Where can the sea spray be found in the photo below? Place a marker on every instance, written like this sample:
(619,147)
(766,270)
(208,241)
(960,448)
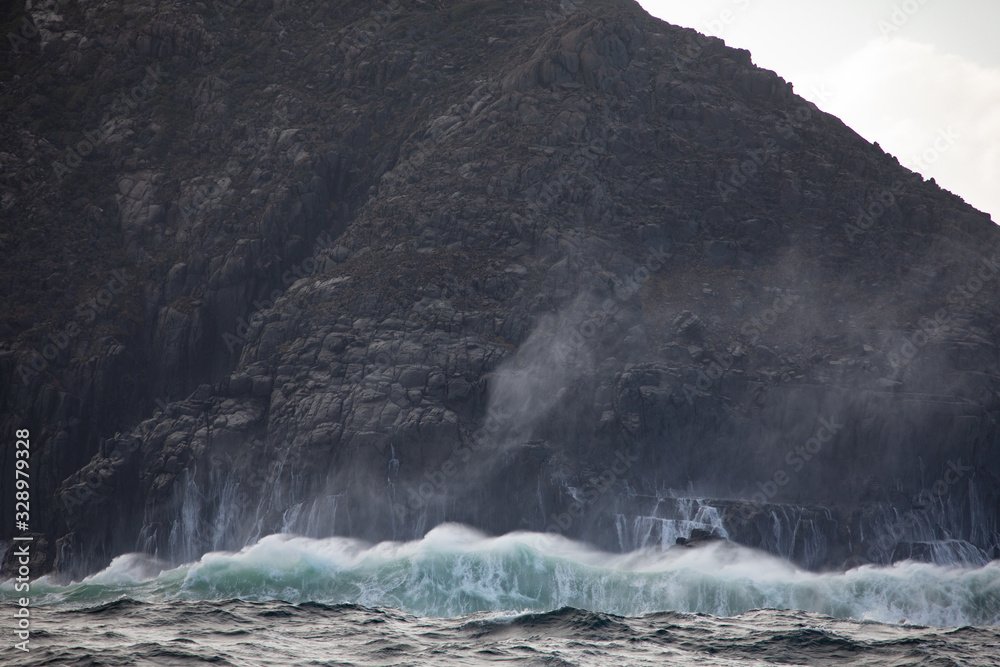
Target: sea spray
(455,570)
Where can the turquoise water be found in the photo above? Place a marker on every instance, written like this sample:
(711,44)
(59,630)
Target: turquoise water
(455,571)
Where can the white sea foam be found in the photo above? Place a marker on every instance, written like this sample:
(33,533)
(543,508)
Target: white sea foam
(456,570)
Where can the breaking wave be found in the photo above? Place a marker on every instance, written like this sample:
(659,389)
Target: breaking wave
(455,570)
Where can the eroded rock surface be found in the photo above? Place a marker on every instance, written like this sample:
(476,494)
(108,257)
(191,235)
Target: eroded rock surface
(542,266)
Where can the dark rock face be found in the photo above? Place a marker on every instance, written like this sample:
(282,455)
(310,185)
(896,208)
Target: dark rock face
(541,266)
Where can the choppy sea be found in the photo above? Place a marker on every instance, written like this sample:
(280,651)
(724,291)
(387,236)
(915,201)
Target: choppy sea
(457,597)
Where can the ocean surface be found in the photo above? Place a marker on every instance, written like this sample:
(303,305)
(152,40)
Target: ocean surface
(457,597)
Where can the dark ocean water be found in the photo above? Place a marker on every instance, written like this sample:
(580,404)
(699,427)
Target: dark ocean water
(275,633)
(457,597)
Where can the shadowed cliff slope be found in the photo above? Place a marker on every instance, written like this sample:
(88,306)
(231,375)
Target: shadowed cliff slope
(344,270)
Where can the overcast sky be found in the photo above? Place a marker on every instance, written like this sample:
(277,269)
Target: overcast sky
(904,73)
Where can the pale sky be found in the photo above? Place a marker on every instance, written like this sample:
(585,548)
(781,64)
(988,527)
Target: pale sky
(920,77)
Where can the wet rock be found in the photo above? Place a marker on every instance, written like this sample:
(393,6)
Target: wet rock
(331,272)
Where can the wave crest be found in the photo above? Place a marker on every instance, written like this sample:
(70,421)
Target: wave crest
(455,570)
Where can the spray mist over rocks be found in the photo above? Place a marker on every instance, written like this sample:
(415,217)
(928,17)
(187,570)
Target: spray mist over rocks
(455,570)
(593,490)
(796,460)
(592,278)
(525,390)
(936,328)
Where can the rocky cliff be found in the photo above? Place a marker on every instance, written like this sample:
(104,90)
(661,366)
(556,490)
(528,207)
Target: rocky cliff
(358,270)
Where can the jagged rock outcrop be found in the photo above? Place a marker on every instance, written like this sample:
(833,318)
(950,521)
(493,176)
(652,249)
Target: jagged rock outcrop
(521,265)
